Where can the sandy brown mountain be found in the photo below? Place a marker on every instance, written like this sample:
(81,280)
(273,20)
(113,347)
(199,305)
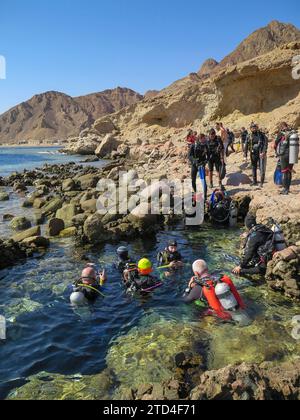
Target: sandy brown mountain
(55,116)
(259,89)
(260,42)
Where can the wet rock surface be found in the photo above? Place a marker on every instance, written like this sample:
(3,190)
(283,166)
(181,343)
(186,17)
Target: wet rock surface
(283,272)
(267,381)
(12,253)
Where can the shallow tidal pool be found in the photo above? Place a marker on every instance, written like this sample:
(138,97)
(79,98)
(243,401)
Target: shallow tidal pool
(55,352)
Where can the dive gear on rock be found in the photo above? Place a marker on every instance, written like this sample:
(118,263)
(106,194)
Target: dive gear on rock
(220,207)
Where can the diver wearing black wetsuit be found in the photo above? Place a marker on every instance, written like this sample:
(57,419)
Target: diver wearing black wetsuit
(282,144)
(198,156)
(257,144)
(253,262)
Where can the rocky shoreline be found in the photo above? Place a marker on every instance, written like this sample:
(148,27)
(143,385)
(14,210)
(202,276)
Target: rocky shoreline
(64,203)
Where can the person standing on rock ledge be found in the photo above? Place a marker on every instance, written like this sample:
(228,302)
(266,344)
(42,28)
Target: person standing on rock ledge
(244,135)
(215,156)
(282,147)
(223,133)
(257,144)
(198,156)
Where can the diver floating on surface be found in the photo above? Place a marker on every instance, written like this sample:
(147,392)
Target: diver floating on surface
(88,287)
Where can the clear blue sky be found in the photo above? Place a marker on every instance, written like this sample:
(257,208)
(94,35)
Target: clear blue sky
(79,47)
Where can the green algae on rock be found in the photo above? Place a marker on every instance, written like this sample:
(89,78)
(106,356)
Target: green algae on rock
(52,387)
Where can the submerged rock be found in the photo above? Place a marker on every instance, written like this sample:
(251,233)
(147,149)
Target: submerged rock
(262,341)
(48,387)
(147,353)
(4,196)
(18,307)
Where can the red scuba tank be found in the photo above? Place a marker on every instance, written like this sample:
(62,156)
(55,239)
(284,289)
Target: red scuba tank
(227,280)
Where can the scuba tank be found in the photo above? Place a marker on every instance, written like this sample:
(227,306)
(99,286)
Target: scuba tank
(78,299)
(294,148)
(233,214)
(279,239)
(225,296)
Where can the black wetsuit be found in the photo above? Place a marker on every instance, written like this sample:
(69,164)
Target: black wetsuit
(252,262)
(216,153)
(166,257)
(283,152)
(256,144)
(198,156)
(220,211)
(123,263)
(137,283)
(244,136)
(90,294)
(195,294)
(231,139)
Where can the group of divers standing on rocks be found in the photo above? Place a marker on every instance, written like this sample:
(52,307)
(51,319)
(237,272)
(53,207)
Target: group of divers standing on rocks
(217,294)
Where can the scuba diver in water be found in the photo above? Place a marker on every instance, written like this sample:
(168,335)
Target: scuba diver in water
(88,287)
(123,259)
(222,209)
(220,294)
(260,245)
(170,258)
(139,278)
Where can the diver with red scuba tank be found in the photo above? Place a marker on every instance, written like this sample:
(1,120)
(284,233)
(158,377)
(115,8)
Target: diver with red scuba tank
(220,295)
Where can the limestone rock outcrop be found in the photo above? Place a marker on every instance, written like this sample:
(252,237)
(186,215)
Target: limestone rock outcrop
(284,272)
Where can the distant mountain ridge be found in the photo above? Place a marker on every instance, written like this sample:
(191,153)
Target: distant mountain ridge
(54,116)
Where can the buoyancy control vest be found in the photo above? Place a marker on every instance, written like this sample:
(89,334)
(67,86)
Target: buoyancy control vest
(215,293)
(166,257)
(258,142)
(138,283)
(215,147)
(220,207)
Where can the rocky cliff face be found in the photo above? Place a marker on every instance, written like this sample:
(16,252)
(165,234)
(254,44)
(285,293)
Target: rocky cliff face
(55,116)
(261,89)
